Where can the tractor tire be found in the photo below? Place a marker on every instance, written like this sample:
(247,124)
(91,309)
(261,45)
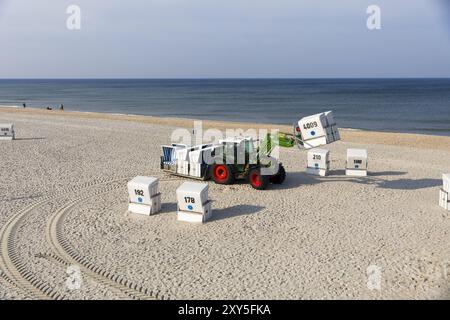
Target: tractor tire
(280,176)
(222,174)
(257,180)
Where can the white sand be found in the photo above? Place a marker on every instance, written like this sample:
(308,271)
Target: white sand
(312,237)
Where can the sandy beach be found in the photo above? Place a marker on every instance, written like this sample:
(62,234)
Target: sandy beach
(63,202)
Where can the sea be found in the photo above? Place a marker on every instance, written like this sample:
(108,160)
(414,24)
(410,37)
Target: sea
(393,105)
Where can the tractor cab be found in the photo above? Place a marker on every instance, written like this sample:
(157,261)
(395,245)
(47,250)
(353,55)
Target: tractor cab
(237,151)
(245,143)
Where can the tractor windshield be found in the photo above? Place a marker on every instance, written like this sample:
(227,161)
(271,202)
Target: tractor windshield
(249,147)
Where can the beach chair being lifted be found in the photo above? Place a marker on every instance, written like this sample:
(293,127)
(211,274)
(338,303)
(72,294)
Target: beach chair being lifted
(316,130)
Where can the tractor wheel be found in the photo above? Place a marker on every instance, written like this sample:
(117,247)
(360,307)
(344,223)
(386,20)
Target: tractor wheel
(222,174)
(257,180)
(280,176)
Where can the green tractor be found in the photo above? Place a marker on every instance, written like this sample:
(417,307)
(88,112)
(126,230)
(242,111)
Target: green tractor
(232,159)
(237,158)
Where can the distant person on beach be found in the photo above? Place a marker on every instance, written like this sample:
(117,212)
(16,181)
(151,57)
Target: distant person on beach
(62,107)
(24,105)
(49,108)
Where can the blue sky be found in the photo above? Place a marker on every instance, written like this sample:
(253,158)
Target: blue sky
(218,38)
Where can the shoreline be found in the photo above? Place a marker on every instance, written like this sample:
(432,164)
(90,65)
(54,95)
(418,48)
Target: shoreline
(414,140)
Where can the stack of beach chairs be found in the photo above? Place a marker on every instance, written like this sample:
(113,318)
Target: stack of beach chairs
(7,131)
(318,130)
(144,197)
(197,159)
(182,156)
(444,200)
(184,160)
(169,160)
